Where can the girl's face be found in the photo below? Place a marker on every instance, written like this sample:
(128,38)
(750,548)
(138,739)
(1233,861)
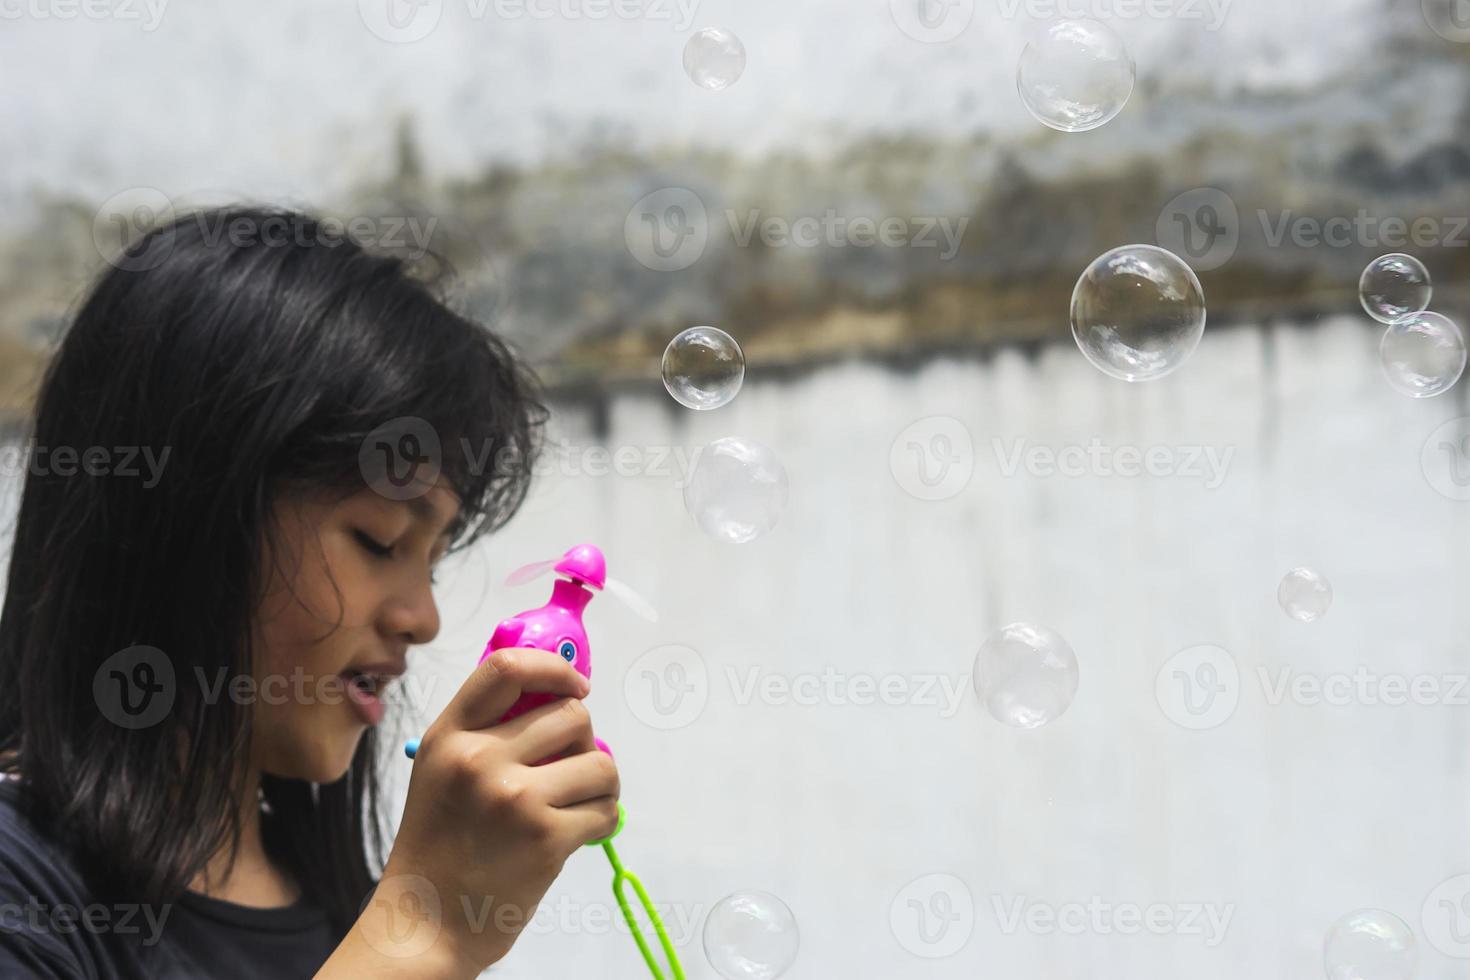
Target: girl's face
(367,562)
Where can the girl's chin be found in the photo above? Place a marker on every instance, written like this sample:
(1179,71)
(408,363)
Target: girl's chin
(324,761)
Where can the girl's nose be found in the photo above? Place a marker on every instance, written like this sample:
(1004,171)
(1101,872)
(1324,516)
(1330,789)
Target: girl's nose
(413,617)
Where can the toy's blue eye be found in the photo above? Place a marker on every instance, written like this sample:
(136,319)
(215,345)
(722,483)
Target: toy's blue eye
(568,650)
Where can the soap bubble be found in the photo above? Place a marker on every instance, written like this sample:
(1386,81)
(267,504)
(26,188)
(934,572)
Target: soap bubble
(1305,595)
(1370,944)
(1138,312)
(703,368)
(1423,354)
(1026,675)
(751,936)
(1394,286)
(714,58)
(738,490)
(1076,75)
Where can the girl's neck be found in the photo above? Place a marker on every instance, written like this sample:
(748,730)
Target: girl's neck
(251,879)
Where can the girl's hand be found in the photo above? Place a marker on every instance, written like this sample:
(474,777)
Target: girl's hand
(484,831)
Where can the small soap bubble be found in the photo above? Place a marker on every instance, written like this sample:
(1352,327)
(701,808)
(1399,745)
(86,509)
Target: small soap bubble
(1370,944)
(738,490)
(714,58)
(1423,354)
(1076,76)
(703,368)
(751,936)
(1026,675)
(1305,595)
(1138,312)
(1395,286)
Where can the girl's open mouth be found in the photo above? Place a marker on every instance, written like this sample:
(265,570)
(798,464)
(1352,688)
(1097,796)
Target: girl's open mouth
(364,693)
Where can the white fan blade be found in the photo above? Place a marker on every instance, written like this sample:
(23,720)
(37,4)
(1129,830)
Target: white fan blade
(632,599)
(534,570)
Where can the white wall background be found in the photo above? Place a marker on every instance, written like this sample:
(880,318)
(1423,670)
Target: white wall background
(1286,816)
(289,98)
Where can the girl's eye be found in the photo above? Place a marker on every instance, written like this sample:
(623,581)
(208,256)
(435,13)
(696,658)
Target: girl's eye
(372,546)
(568,650)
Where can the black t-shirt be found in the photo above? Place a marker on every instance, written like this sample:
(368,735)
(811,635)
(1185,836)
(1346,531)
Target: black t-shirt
(52,927)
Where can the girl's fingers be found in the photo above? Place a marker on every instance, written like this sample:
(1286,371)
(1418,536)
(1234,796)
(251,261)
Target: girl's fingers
(591,820)
(505,675)
(582,778)
(562,727)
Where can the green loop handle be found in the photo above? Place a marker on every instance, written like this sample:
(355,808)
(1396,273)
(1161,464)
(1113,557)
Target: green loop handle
(620,876)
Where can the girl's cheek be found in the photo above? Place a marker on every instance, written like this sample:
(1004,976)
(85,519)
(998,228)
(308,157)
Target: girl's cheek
(295,642)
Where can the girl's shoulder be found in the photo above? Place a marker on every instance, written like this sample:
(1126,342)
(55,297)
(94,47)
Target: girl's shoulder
(30,859)
(51,925)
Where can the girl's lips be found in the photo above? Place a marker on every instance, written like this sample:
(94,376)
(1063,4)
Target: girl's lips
(369,706)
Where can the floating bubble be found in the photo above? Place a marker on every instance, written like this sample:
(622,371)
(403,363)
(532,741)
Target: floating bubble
(1026,675)
(1076,76)
(1394,286)
(703,368)
(1138,312)
(738,490)
(1370,944)
(714,58)
(1423,354)
(751,936)
(1305,595)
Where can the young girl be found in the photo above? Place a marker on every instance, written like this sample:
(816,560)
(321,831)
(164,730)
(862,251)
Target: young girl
(212,587)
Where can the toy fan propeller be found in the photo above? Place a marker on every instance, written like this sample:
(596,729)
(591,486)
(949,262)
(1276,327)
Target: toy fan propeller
(572,565)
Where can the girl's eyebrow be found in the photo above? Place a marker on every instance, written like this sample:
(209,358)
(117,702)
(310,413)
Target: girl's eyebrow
(428,513)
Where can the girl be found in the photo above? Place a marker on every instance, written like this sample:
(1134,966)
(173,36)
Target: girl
(194,654)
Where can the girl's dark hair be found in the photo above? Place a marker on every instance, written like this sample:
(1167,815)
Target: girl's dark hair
(260,348)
